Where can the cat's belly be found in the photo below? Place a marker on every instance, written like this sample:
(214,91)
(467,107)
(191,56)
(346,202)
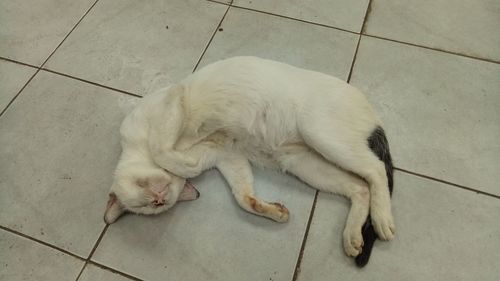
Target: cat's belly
(264,154)
(262,159)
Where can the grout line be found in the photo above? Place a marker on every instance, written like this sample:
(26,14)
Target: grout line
(81,271)
(92,83)
(296,272)
(368,9)
(69,33)
(18,62)
(448,183)
(73,77)
(432,48)
(367,14)
(294,19)
(87,260)
(353,60)
(41,242)
(98,241)
(221,2)
(114,271)
(18,93)
(211,38)
(96,244)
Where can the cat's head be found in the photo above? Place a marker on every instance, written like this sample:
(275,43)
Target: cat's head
(146,190)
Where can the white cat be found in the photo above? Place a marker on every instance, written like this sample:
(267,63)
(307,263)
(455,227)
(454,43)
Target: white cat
(247,109)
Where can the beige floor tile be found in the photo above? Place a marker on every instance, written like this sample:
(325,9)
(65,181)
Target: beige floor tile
(31,30)
(443,233)
(59,147)
(303,45)
(337,13)
(466,27)
(441,111)
(23,259)
(136,45)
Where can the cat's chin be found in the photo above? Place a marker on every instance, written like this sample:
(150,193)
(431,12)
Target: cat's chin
(149,210)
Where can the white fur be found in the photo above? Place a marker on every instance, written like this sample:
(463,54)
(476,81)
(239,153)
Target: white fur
(271,114)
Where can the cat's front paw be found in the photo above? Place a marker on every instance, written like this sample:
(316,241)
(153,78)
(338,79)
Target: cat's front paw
(278,212)
(383,223)
(353,242)
(190,162)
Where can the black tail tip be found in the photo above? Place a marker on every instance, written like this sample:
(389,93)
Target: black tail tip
(361,260)
(369,238)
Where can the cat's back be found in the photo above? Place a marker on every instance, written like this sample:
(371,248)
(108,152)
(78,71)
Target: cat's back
(247,96)
(255,70)
(266,97)
(251,82)
(263,78)
(239,89)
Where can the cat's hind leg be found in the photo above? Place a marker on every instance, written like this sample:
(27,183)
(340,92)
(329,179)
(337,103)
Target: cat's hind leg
(345,143)
(238,173)
(323,175)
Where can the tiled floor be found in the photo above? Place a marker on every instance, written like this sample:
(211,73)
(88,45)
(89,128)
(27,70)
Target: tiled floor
(70,72)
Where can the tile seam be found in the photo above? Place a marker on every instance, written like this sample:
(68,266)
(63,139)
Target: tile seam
(447,182)
(92,83)
(33,239)
(96,244)
(69,33)
(298,264)
(13,99)
(110,269)
(211,38)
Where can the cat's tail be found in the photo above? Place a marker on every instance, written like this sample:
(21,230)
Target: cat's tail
(380,146)
(369,238)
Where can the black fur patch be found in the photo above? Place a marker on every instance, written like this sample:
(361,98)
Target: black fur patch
(380,147)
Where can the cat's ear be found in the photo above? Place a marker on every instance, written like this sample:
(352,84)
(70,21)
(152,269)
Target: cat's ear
(114,209)
(188,193)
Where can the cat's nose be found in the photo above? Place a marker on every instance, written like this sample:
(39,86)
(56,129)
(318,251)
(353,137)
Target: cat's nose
(159,202)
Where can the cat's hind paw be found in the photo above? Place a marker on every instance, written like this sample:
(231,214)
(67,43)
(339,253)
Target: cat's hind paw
(353,242)
(383,224)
